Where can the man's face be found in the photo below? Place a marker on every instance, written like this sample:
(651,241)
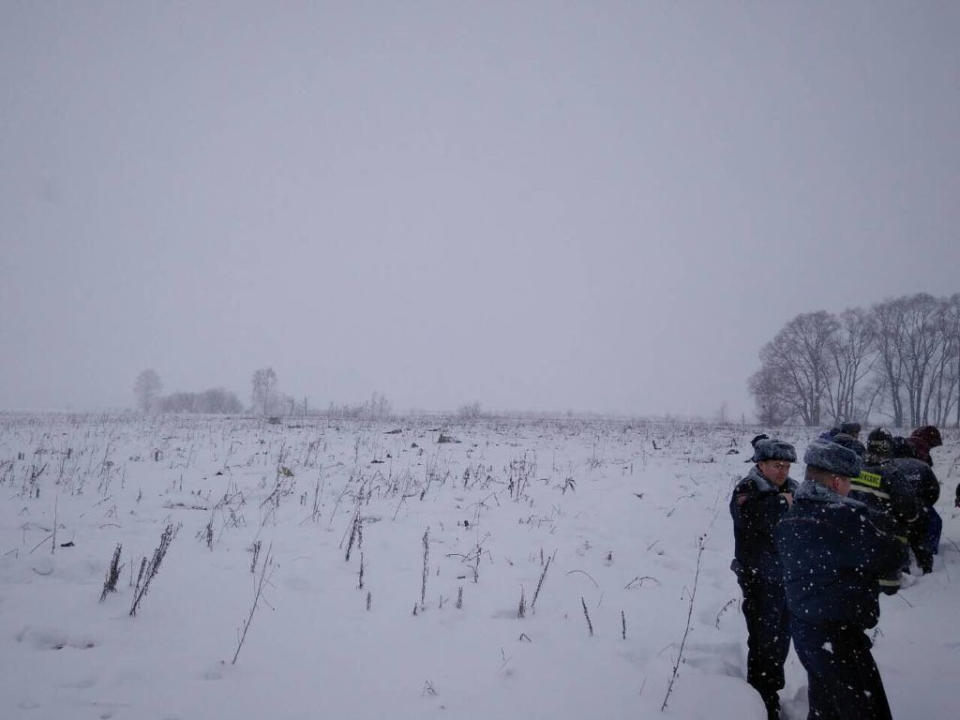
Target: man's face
(776,471)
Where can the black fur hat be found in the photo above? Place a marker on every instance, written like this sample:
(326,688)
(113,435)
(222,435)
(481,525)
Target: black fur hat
(851,443)
(850,428)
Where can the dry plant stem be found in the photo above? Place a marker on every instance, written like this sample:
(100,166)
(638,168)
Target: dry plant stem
(354,530)
(536,593)
(725,607)
(317,493)
(686,629)
(255,548)
(53,544)
(586,615)
(336,505)
(261,581)
(41,542)
(426,558)
(638,581)
(143,567)
(149,571)
(113,574)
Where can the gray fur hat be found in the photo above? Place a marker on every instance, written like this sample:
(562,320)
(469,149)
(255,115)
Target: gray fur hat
(767,449)
(833,458)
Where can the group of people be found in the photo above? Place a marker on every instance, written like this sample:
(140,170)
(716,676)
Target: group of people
(812,558)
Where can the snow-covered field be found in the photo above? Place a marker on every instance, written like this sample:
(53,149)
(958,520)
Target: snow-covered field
(608,532)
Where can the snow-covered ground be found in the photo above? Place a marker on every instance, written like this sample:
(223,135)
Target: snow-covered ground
(610,533)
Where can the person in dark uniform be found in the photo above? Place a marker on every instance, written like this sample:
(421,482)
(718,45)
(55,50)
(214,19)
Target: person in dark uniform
(848,428)
(833,553)
(924,534)
(924,439)
(758,502)
(883,487)
(851,443)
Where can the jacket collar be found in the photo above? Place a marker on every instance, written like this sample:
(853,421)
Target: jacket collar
(764,485)
(810,490)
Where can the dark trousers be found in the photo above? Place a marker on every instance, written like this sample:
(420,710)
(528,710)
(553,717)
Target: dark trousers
(924,536)
(934,529)
(843,680)
(918,535)
(768,635)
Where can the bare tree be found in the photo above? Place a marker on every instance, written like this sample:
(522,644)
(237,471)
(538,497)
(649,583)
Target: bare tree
(798,360)
(902,356)
(767,388)
(922,345)
(379,406)
(146,389)
(264,390)
(942,389)
(470,411)
(852,354)
(891,330)
(952,323)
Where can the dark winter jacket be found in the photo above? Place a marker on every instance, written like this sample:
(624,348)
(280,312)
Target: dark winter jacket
(833,554)
(920,450)
(886,489)
(921,477)
(756,507)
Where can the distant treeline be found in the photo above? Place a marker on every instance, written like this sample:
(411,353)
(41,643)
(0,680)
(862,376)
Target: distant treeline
(266,400)
(899,360)
(216,400)
(147,387)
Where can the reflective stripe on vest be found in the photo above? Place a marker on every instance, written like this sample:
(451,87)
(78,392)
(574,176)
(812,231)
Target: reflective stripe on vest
(868,478)
(877,493)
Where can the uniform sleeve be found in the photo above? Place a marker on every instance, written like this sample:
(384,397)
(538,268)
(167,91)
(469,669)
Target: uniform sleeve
(756,512)
(871,551)
(928,487)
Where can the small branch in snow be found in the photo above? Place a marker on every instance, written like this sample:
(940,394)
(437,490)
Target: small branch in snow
(686,629)
(266,571)
(638,582)
(583,572)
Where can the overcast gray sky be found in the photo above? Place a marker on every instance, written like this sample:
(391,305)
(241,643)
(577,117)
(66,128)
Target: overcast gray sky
(604,206)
